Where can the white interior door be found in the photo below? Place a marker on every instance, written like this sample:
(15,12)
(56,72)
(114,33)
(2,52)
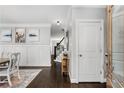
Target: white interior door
(89,34)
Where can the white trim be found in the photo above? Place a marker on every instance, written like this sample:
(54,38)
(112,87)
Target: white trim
(102,46)
(103,52)
(77,72)
(72,80)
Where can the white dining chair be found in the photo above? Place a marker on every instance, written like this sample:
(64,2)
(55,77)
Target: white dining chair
(13,67)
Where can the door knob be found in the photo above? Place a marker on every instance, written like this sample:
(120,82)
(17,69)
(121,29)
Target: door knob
(80,55)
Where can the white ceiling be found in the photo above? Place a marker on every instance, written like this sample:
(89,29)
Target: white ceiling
(89,6)
(33,13)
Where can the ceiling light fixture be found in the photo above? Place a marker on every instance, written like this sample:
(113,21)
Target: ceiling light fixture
(58,23)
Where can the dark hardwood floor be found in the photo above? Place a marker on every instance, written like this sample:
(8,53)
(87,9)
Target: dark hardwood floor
(52,78)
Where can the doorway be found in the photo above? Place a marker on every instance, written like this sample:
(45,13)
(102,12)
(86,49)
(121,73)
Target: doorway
(90,51)
(57,42)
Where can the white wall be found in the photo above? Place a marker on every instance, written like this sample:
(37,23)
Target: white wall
(69,29)
(82,13)
(33,53)
(70,50)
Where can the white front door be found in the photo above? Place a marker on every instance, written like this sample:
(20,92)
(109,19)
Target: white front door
(89,44)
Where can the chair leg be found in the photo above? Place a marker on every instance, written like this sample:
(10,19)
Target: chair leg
(18,74)
(9,80)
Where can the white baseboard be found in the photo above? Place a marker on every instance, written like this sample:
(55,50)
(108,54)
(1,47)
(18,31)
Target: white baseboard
(72,79)
(104,81)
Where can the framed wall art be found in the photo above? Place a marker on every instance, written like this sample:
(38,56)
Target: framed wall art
(5,35)
(33,35)
(20,35)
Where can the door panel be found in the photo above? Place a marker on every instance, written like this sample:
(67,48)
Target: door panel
(89,51)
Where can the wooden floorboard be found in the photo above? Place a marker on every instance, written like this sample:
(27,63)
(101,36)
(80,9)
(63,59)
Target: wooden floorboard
(52,78)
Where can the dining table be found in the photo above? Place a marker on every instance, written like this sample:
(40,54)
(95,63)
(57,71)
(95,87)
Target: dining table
(4,60)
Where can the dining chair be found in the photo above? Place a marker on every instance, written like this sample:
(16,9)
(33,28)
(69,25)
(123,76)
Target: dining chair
(13,67)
